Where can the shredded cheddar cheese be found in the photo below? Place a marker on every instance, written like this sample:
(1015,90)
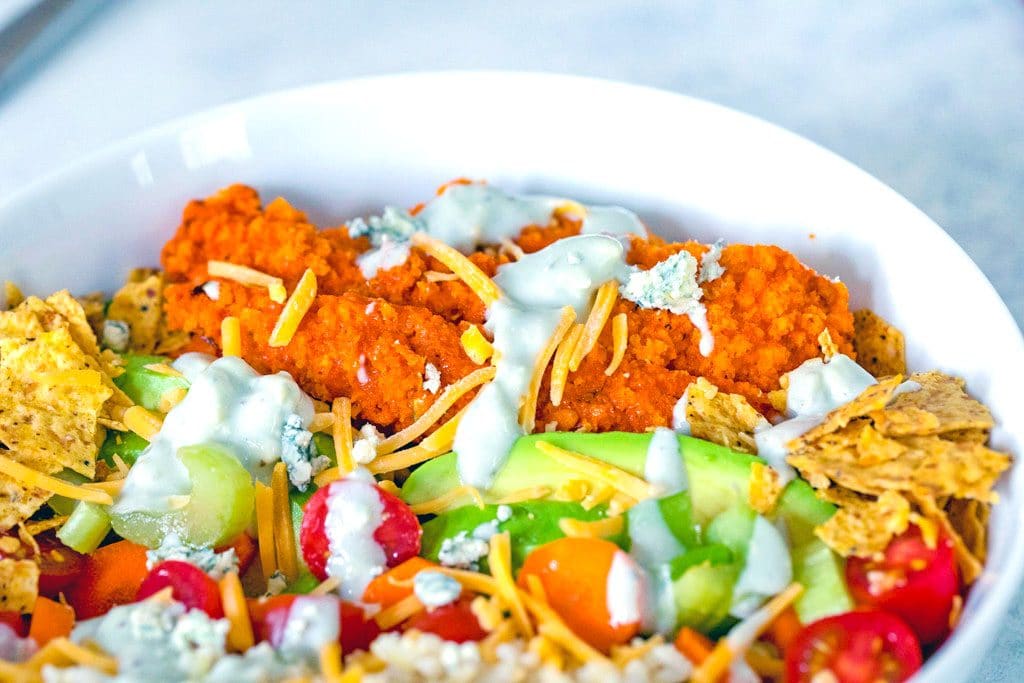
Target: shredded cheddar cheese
(231,336)
(326,586)
(521,495)
(600,471)
(330,661)
(294,310)
(476,346)
(341,409)
(61,652)
(448,500)
(437,276)
(499,558)
(163,369)
(438,443)
(560,366)
(602,528)
(171,398)
(321,422)
(284,532)
(528,411)
(29,478)
(451,394)
(143,422)
(397,613)
(265,529)
(240,635)
(620,338)
(456,262)
(599,314)
(248,276)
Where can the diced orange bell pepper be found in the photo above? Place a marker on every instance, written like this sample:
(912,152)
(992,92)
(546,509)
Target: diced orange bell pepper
(395,584)
(50,619)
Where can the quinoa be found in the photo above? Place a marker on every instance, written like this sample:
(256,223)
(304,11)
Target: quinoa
(765,310)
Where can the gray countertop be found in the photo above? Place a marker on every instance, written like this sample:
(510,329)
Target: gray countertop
(928,95)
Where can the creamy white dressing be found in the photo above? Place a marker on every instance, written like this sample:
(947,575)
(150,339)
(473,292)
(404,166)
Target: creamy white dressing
(313,621)
(663,466)
(710,268)
(229,404)
(389,254)
(816,388)
(767,572)
(354,511)
(535,288)
(652,542)
(625,591)
(680,423)
(659,614)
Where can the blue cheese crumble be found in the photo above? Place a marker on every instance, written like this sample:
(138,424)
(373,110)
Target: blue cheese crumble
(671,285)
(431,378)
(117,334)
(710,268)
(436,589)
(393,225)
(213,563)
(463,551)
(299,454)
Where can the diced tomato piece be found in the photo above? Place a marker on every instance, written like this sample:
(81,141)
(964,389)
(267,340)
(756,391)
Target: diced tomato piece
(245,550)
(856,647)
(270,618)
(15,621)
(357,629)
(189,585)
(455,622)
(59,565)
(111,577)
(912,581)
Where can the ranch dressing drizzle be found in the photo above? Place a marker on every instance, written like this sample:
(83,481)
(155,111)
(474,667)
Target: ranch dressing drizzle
(767,571)
(228,403)
(816,388)
(625,591)
(354,511)
(663,465)
(535,288)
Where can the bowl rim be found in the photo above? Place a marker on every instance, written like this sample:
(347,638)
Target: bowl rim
(966,643)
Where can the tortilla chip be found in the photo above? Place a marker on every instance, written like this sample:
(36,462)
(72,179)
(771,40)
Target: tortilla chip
(93,305)
(970,566)
(940,405)
(765,488)
(874,449)
(12,295)
(928,464)
(139,304)
(777,399)
(863,527)
(726,419)
(880,347)
(873,398)
(828,347)
(970,519)
(19,585)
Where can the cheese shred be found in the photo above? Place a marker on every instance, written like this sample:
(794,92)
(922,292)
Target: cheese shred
(451,394)
(265,529)
(456,262)
(620,339)
(599,314)
(600,471)
(143,422)
(394,615)
(601,528)
(528,411)
(284,532)
(500,561)
(560,366)
(294,310)
(29,478)
(341,409)
(231,336)
(248,276)
(448,500)
(438,443)
(240,634)
(476,346)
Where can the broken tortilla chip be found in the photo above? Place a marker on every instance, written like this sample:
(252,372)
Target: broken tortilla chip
(862,526)
(940,405)
(880,347)
(139,304)
(970,520)
(725,419)
(12,295)
(19,585)
(970,566)
(765,488)
(875,397)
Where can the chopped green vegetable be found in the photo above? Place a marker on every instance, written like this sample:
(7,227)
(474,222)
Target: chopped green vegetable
(127,445)
(143,386)
(86,528)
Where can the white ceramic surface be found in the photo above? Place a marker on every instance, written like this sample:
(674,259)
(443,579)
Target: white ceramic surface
(690,168)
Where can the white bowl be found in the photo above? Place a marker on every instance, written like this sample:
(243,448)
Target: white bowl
(690,168)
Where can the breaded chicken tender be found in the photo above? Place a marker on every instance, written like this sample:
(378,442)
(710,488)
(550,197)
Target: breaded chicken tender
(372,339)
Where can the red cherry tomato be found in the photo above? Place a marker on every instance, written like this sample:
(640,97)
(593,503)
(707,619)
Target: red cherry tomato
(270,617)
(455,622)
(912,581)
(15,621)
(855,647)
(59,565)
(189,586)
(398,533)
(357,630)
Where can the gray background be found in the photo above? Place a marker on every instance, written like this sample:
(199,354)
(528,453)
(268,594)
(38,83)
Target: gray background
(927,95)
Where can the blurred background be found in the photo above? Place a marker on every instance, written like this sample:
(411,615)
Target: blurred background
(927,95)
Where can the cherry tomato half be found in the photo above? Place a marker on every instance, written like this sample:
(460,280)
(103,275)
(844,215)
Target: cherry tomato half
(59,565)
(189,585)
(912,581)
(455,622)
(398,533)
(16,622)
(856,647)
